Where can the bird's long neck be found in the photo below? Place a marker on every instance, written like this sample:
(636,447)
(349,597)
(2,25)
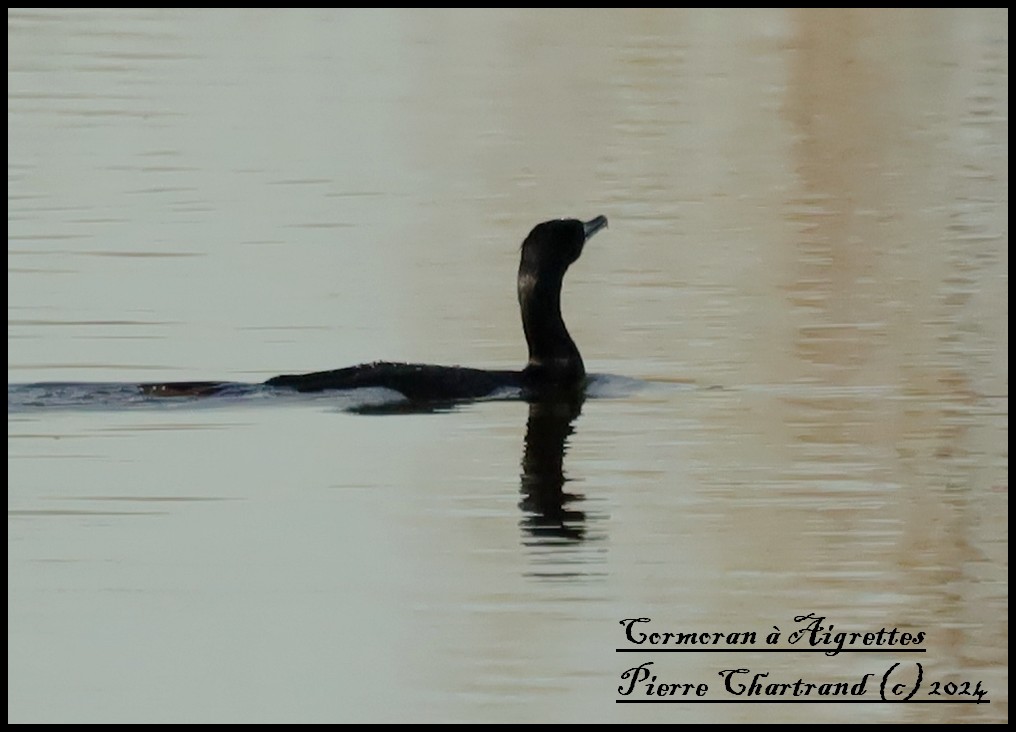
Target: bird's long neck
(553,355)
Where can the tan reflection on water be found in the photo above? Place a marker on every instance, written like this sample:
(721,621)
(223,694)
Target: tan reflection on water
(901,277)
(809,234)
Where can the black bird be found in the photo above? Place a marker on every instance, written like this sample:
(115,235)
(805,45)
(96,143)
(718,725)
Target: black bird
(555,366)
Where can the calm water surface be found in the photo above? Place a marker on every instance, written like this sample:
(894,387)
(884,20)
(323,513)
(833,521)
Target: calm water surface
(801,306)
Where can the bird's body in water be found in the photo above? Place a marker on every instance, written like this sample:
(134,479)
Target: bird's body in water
(555,366)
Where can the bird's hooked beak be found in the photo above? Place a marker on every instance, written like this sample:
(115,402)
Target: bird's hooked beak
(594,225)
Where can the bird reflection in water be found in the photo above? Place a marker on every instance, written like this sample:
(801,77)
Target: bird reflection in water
(549,512)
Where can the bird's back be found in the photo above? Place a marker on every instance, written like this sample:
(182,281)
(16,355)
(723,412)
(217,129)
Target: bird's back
(417,382)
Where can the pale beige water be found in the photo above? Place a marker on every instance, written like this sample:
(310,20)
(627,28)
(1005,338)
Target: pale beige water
(808,210)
